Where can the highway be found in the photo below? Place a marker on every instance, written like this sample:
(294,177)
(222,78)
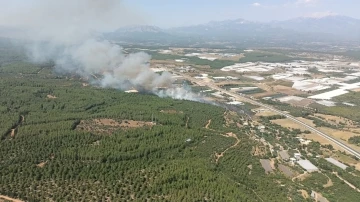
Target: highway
(254,102)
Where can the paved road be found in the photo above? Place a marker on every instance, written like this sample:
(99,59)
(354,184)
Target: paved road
(246,99)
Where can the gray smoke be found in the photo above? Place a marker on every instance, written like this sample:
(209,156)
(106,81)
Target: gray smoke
(68,33)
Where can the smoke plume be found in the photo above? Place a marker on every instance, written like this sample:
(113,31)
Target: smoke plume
(68,33)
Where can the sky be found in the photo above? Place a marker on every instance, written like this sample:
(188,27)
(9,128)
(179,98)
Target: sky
(173,13)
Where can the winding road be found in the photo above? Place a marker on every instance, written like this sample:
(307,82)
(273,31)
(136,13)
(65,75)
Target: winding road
(294,119)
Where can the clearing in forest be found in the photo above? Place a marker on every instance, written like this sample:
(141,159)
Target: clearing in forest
(42,164)
(12,133)
(171,111)
(51,96)
(108,126)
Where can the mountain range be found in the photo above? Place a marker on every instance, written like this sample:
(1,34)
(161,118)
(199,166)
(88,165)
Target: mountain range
(306,29)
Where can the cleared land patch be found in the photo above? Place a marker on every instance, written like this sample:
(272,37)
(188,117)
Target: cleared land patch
(6,198)
(286,90)
(108,126)
(286,170)
(171,111)
(51,96)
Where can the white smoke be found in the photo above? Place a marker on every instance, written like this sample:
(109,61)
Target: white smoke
(67,32)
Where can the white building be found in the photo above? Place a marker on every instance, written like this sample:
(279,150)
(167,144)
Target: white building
(336,163)
(307,165)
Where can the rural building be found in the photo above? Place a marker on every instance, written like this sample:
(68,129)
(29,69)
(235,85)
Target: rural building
(336,163)
(284,155)
(297,156)
(307,165)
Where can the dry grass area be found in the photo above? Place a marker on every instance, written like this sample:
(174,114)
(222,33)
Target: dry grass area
(339,134)
(6,198)
(265,113)
(51,96)
(347,159)
(356,90)
(336,119)
(107,126)
(171,111)
(307,121)
(287,123)
(321,140)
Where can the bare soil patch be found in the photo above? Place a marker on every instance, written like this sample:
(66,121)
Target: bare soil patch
(12,134)
(107,126)
(301,177)
(286,90)
(304,193)
(51,96)
(266,113)
(208,124)
(6,198)
(42,164)
(328,184)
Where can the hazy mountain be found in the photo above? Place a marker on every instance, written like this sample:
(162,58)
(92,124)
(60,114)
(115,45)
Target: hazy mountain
(139,33)
(340,26)
(304,29)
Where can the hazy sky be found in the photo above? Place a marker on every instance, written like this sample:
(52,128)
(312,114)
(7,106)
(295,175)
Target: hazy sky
(171,13)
